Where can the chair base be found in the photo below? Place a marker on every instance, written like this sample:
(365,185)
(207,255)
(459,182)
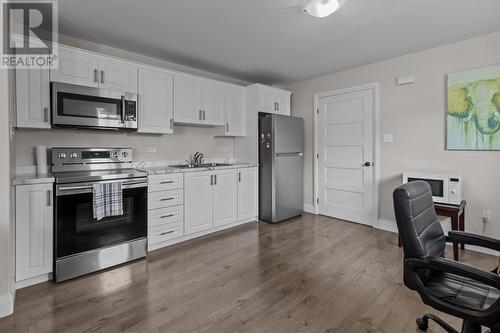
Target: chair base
(423,324)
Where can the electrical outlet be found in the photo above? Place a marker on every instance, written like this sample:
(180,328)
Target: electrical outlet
(151,149)
(486,215)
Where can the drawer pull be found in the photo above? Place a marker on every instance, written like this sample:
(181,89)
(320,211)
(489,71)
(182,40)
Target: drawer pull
(165,216)
(167,182)
(166,199)
(166,232)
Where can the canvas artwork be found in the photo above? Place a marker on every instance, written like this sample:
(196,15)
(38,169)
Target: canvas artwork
(473,110)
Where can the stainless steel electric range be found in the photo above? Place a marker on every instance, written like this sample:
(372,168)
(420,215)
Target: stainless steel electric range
(83,244)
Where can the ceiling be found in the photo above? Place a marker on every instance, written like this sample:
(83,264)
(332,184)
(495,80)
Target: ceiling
(273,41)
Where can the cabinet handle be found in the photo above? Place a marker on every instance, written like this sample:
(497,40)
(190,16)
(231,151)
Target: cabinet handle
(199,114)
(239,177)
(171,123)
(227,127)
(211,180)
(167,182)
(102,76)
(215,179)
(165,216)
(166,199)
(166,232)
(46,114)
(277,106)
(49,198)
(204,113)
(95,75)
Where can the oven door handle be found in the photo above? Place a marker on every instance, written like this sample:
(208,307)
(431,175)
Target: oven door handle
(123,109)
(66,190)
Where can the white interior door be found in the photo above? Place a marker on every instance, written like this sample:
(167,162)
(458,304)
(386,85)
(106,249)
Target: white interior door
(345,164)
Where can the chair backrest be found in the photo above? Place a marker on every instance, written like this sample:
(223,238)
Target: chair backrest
(420,232)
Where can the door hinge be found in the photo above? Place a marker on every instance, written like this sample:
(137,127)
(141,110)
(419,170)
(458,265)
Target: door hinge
(317,200)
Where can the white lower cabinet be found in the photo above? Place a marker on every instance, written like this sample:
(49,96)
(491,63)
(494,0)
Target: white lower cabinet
(165,209)
(248,195)
(225,204)
(198,202)
(34,231)
(205,202)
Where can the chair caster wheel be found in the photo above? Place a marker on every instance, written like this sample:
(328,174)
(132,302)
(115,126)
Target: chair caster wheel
(422,324)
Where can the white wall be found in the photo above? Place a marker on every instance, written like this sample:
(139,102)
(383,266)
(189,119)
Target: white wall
(6,192)
(416,115)
(185,140)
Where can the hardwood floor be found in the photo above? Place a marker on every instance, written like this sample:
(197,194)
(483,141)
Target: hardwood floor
(308,274)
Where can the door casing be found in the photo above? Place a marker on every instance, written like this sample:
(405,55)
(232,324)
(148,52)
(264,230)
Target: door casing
(376,142)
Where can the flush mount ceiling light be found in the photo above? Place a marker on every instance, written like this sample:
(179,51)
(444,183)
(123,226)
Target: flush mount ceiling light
(321,8)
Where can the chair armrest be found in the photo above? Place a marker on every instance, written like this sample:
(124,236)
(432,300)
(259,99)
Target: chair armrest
(457,268)
(473,239)
(484,317)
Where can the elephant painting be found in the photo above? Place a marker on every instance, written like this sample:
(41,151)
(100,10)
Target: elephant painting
(474,109)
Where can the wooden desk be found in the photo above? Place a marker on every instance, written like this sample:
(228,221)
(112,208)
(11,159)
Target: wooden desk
(457,215)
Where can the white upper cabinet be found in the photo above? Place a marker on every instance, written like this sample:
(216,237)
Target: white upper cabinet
(34,230)
(156,101)
(273,100)
(198,101)
(187,100)
(212,103)
(76,67)
(91,70)
(32,98)
(247,193)
(234,112)
(117,75)
(225,197)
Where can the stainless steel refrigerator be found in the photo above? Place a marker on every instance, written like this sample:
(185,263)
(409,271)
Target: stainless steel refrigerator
(281,164)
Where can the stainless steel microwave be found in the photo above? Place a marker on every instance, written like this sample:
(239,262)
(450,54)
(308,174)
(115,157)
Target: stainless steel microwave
(85,107)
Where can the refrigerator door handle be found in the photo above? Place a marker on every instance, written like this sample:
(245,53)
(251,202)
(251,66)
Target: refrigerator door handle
(289,154)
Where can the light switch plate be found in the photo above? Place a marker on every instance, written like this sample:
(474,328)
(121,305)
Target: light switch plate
(388,137)
(151,149)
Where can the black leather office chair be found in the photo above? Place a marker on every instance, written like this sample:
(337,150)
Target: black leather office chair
(448,286)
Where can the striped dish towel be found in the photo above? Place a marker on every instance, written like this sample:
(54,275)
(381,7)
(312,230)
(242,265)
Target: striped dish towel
(108,200)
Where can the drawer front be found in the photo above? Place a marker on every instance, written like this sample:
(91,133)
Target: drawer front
(165,215)
(165,232)
(165,199)
(165,182)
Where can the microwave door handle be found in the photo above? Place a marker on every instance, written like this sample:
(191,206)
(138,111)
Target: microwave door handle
(123,109)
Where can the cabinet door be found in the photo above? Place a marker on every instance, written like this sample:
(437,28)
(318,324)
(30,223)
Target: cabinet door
(117,75)
(76,67)
(34,230)
(156,101)
(225,201)
(247,193)
(212,98)
(283,103)
(267,100)
(198,202)
(234,105)
(187,100)
(32,98)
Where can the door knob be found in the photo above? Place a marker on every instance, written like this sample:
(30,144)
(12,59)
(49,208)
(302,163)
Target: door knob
(367,164)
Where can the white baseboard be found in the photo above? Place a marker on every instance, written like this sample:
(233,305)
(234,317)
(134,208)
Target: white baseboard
(387,225)
(34,280)
(6,304)
(308,208)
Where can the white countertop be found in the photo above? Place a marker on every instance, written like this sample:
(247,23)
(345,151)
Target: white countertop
(163,170)
(32,178)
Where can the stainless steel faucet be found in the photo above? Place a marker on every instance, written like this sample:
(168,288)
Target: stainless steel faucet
(197,159)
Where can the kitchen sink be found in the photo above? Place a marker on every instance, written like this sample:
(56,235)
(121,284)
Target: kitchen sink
(204,165)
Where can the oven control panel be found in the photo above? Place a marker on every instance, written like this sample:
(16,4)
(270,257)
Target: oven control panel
(91,155)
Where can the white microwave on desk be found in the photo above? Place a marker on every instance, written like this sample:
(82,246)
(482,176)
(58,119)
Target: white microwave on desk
(445,188)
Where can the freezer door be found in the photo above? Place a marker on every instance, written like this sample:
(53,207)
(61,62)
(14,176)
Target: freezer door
(288,185)
(288,134)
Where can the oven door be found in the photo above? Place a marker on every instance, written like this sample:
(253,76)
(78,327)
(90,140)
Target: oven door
(76,231)
(90,107)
